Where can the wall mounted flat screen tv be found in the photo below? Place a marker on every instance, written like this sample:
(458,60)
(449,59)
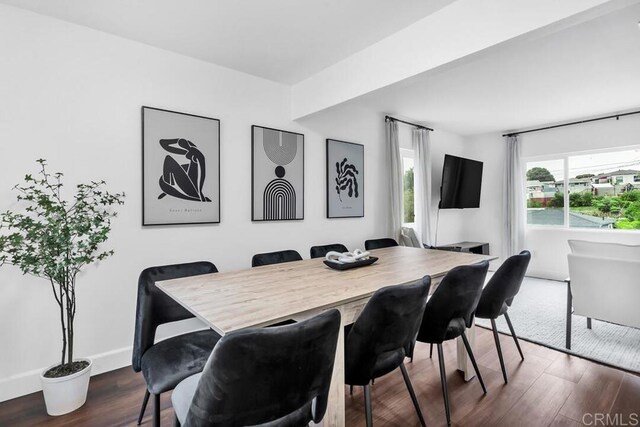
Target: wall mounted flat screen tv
(461,183)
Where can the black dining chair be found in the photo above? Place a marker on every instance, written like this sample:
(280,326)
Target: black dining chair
(275,258)
(270,377)
(166,363)
(321,251)
(379,243)
(376,344)
(449,312)
(498,296)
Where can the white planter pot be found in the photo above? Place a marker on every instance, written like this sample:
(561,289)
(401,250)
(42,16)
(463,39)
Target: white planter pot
(65,394)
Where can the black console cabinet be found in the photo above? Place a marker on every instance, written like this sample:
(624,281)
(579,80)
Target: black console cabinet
(470,247)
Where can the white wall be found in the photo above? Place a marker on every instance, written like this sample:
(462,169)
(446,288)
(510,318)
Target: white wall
(485,223)
(73,96)
(548,246)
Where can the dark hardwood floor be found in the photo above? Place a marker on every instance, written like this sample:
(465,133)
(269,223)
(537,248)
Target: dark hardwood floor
(549,388)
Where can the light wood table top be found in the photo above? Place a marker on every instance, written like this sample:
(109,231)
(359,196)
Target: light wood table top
(265,295)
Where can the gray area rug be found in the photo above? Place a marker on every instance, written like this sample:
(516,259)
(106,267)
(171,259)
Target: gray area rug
(538,314)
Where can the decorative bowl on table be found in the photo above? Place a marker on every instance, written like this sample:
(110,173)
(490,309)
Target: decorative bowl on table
(348,260)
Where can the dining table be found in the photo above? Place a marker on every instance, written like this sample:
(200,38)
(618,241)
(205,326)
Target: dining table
(266,295)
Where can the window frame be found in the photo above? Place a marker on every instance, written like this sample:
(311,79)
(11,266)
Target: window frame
(564,156)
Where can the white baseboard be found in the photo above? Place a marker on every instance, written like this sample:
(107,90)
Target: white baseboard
(29,382)
(549,275)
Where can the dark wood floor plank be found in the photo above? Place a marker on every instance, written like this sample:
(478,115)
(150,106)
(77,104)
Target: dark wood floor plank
(540,404)
(568,367)
(518,371)
(486,410)
(596,392)
(529,348)
(561,421)
(627,402)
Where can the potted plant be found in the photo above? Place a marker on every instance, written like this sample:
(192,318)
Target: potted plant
(55,239)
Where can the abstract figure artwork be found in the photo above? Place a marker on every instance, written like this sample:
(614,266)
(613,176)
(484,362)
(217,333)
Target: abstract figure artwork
(277,175)
(181,168)
(345,179)
(184,181)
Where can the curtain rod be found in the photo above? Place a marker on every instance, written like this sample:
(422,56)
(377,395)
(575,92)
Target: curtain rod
(617,116)
(387,118)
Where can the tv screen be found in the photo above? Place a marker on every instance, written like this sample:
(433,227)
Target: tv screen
(461,182)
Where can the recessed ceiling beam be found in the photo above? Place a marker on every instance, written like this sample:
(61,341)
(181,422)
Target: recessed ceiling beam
(463,28)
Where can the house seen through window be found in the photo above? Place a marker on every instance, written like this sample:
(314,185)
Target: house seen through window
(601,190)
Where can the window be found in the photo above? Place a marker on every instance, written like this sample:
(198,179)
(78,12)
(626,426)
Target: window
(407,185)
(545,197)
(601,190)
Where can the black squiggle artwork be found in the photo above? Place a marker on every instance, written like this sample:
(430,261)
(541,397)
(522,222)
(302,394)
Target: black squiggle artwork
(183,181)
(346,179)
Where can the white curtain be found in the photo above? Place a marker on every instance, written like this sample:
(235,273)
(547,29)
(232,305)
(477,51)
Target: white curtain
(422,188)
(395,179)
(513,200)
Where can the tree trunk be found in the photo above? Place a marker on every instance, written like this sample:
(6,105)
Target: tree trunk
(62,325)
(69,307)
(69,337)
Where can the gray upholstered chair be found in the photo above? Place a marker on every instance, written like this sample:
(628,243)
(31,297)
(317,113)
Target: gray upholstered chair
(276,376)
(321,251)
(166,363)
(409,238)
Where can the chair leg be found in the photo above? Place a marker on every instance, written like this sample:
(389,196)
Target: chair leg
(431,351)
(497,340)
(588,322)
(569,307)
(144,406)
(367,405)
(156,410)
(513,334)
(473,361)
(443,381)
(407,381)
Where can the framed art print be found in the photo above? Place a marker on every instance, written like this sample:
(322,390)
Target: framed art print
(345,179)
(277,174)
(180,168)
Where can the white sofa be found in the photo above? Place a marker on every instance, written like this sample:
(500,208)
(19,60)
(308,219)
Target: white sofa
(604,283)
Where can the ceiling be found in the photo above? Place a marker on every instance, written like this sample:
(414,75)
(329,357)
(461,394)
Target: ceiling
(581,71)
(559,73)
(281,40)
